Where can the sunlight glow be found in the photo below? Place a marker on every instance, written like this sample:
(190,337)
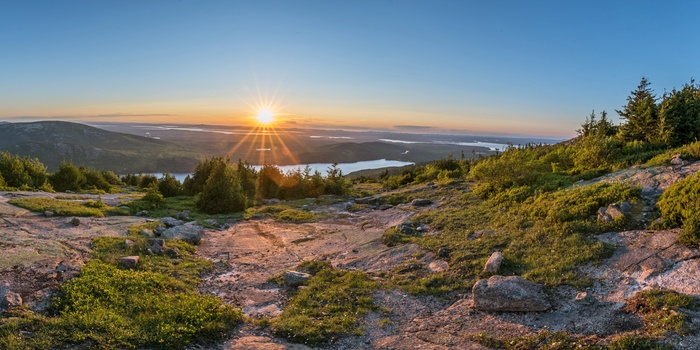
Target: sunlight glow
(265,116)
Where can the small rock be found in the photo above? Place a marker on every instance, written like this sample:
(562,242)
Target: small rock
(444,252)
(585,298)
(437,266)
(158,231)
(512,293)
(190,233)
(614,211)
(129,243)
(172,252)
(494,263)
(129,262)
(295,278)
(405,227)
(171,222)
(75,221)
(147,233)
(9,298)
(418,202)
(48,213)
(157,241)
(142,213)
(482,233)
(385,207)
(676,160)
(182,216)
(211,222)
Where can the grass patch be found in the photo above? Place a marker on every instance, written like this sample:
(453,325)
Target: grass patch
(94,208)
(660,310)
(563,340)
(186,268)
(543,238)
(170,206)
(286,212)
(153,306)
(328,307)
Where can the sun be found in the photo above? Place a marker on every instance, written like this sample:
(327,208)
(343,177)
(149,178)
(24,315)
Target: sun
(265,116)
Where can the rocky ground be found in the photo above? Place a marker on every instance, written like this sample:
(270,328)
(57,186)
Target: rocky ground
(37,253)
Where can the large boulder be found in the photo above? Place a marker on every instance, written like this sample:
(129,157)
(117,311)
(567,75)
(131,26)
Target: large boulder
(512,293)
(190,233)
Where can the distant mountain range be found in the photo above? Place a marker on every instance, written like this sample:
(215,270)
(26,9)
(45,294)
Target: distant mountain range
(153,148)
(55,141)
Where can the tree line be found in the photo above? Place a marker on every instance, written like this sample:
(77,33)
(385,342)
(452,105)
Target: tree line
(219,185)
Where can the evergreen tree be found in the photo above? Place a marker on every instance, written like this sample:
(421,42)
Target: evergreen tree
(247,175)
(642,115)
(680,115)
(268,182)
(169,186)
(222,192)
(202,172)
(68,178)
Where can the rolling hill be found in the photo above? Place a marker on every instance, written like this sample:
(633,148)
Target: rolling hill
(54,142)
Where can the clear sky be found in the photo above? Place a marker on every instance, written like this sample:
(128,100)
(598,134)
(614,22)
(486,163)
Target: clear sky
(509,67)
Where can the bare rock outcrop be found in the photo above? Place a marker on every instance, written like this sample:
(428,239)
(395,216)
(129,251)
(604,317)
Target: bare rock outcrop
(512,293)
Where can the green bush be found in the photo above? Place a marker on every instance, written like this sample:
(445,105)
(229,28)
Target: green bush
(169,186)
(680,206)
(68,178)
(19,172)
(659,310)
(578,203)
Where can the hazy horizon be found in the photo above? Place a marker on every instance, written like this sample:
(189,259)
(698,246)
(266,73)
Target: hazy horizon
(483,68)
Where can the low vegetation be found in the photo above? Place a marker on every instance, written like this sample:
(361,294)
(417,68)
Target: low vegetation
(661,310)
(680,206)
(328,307)
(105,307)
(564,340)
(62,207)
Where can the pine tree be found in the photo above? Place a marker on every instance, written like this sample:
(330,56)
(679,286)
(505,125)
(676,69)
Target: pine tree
(642,115)
(680,115)
(222,192)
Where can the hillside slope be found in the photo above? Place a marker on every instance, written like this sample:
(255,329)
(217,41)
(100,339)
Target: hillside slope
(55,141)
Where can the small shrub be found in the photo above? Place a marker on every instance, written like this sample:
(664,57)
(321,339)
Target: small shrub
(298,216)
(680,206)
(660,310)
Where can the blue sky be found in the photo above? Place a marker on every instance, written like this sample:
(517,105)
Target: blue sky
(503,67)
